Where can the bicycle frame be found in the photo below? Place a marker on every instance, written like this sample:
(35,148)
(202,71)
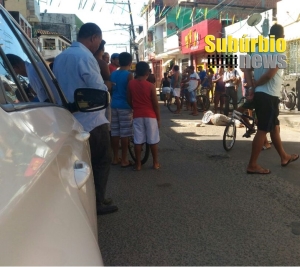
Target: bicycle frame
(284,93)
(236,115)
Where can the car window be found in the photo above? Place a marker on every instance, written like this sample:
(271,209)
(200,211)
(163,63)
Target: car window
(22,64)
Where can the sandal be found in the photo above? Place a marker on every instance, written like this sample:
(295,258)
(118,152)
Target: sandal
(290,160)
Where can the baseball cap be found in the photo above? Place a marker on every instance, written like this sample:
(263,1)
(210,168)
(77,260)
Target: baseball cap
(114,55)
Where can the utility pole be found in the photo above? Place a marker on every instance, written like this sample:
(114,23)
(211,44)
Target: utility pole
(131,28)
(136,49)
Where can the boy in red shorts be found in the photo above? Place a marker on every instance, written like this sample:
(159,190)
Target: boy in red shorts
(141,96)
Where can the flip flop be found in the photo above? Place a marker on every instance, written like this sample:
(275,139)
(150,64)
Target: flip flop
(135,169)
(290,160)
(258,172)
(265,148)
(130,164)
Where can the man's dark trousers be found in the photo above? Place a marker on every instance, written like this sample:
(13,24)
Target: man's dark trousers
(231,93)
(101,157)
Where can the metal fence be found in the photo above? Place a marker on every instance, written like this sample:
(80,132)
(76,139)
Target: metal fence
(293,58)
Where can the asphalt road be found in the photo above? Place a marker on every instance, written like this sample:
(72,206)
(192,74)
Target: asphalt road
(201,208)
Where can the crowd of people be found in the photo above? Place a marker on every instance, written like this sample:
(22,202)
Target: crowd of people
(134,109)
(262,90)
(189,83)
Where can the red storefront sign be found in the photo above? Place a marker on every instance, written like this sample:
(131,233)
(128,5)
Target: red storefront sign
(192,39)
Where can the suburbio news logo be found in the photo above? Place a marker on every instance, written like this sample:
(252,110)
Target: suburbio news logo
(246,45)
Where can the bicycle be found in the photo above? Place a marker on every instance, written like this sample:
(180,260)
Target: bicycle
(239,103)
(296,93)
(171,104)
(229,135)
(145,151)
(287,99)
(203,103)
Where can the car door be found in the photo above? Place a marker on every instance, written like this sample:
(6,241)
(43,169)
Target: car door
(47,196)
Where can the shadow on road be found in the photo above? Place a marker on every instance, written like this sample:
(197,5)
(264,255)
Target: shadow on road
(201,208)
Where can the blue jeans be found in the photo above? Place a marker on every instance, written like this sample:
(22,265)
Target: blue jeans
(193,97)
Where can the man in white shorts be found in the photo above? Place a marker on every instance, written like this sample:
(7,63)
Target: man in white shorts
(175,85)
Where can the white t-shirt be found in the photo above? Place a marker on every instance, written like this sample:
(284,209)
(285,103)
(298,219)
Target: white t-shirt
(228,75)
(273,86)
(193,83)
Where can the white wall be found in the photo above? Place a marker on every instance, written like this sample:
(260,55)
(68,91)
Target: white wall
(159,39)
(288,12)
(172,42)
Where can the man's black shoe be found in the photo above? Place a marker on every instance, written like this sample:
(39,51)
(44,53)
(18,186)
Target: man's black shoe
(102,210)
(249,132)
(107,201)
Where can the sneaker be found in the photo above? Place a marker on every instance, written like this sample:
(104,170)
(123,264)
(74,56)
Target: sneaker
(249,132)
(107,201)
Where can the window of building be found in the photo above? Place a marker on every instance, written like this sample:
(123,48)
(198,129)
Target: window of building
(293,57)
(59,45)
(49,44)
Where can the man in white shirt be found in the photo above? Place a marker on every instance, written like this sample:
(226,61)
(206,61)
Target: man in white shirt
(230,78)
(194,83)
(76,67)
(267,83)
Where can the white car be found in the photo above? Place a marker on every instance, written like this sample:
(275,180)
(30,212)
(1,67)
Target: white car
(47,195)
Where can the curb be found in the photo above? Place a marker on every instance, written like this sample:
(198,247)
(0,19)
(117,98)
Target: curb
(290,121)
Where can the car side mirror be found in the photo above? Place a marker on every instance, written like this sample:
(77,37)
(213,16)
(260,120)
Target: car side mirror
(90,100)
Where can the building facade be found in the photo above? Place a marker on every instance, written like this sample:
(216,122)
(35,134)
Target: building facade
(51,44)
(29,9)
(192,40)
(25,25)
(173,33)
(289,17)
(71,22)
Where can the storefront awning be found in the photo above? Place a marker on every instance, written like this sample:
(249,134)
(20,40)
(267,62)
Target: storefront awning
(192,39)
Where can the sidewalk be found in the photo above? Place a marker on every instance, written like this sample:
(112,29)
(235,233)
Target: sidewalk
(290,118)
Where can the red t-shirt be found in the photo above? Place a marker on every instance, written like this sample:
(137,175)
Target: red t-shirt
(112,68)
(141,94)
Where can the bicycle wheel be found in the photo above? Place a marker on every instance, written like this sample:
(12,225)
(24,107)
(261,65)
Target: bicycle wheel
(171,103)
(203,103)
(145,151)
(290,102)
(229,136)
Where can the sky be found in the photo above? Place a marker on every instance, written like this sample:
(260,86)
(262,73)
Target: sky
(105,15)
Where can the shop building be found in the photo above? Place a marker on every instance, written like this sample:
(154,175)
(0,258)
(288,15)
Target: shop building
(192,40)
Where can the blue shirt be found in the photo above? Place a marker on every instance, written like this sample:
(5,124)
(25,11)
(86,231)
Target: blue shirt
(202,74)
(119,90)
(76,67)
